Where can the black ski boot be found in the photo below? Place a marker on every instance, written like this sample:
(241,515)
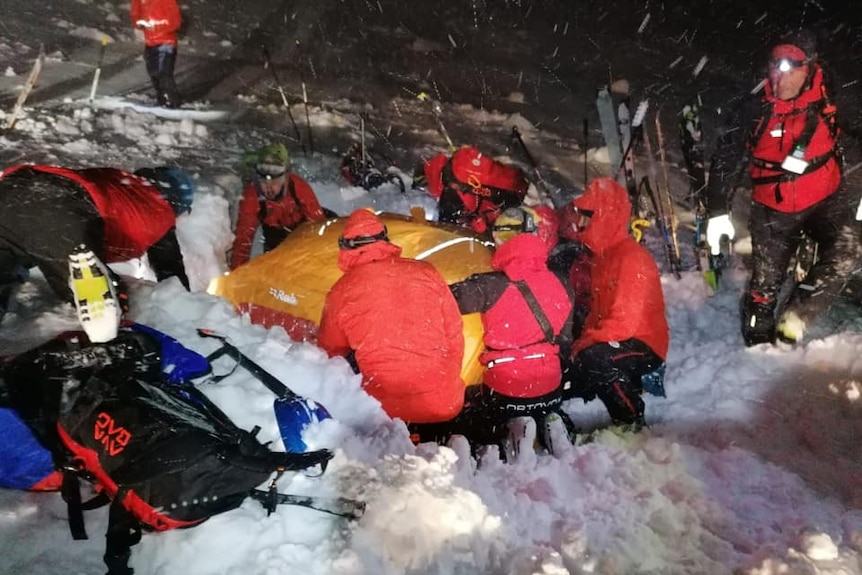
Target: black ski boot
(624,404)
(758,320)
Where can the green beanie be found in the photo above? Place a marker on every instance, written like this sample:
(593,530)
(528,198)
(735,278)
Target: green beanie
(273,154)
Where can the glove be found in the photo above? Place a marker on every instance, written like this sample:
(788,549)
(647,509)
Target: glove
(716,228)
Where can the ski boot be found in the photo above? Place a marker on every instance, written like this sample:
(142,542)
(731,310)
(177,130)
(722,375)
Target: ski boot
(758,320)
(519,445)
(96,301)
(558,433)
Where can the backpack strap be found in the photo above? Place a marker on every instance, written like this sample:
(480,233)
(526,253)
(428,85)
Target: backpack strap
(537,310)
(124,531)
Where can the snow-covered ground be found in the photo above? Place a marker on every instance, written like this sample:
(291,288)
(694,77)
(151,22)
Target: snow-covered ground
(751,465)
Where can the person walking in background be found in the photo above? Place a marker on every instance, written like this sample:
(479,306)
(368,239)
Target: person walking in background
(622,349)
(795,161)
(277,200)
(396,322)
(160,21)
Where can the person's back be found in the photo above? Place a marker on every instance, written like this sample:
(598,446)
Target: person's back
(398,322)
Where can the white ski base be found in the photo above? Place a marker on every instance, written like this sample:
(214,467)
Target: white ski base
(117,103)
(95,297)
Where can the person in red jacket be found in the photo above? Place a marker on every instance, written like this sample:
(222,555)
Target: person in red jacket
(526,313)
(624,343)
(471,188)
(794,158)
(160,20)
(396,322)
(276,199)
(50,210)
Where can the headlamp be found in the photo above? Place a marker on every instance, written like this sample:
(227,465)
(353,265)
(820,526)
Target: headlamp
(784,65)
(357,242)
(269,171)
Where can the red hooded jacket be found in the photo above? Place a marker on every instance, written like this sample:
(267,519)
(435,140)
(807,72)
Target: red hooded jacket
(164,19)
(134,213)
(287,211)
(775,138)
(520,361)
(627,299)
(399,318)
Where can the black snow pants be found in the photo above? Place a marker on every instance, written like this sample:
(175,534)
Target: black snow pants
(160,62)
(612,372)
(775,237)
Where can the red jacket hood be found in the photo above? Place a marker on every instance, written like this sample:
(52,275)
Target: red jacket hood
(521,256)
(611,208)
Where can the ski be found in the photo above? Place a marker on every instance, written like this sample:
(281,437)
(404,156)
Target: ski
(610,129)
(670,223)
(25,91)
(628,161)
(691,142)
(96,301)
(338,506)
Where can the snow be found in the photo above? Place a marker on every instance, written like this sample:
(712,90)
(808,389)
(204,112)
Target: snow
(751,465)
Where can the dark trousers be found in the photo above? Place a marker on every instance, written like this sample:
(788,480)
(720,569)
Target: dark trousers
(160,61)
(483,419)
(44,218)
(775,236)
(166,258)
(613,374)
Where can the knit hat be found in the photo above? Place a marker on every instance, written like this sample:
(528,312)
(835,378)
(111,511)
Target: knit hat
(363,227)
(273,154)
(800,45)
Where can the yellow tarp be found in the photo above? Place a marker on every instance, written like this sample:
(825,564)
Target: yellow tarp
(295,277)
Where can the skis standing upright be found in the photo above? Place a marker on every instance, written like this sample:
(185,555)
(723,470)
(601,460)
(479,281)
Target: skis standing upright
(691,141)
(628,161)
(610,129)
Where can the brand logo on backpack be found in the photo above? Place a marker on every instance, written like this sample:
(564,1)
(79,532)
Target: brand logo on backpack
(114,437)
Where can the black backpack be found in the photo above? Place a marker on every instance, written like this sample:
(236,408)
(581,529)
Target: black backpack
(161,453)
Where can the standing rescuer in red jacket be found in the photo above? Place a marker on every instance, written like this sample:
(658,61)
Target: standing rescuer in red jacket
(794,160)
(276,199)
(624,343)
(48,211)
(397,323)
(160,20)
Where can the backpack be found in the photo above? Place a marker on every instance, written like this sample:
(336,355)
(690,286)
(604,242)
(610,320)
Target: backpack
(160,452)
(480,187)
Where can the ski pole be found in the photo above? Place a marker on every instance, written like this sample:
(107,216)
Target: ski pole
(543,183)
(438,116)
(97,74)
(305,101)
(267,63)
